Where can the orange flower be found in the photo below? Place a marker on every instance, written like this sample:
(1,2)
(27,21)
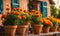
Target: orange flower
(40,14)
(41,20)
(14,8)
(50,17)
(19,17)
(24,17)
(33,11)
(37,15)
(3,16)
(25,11)
(7,8)
(50,23)
(18,13)
(17,8)
(30,13)
(20,9)
(12,12)
(45,22)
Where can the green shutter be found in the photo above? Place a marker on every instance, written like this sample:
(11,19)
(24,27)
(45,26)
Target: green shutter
(28,6)
(43,8)
(15,4)
(1,6)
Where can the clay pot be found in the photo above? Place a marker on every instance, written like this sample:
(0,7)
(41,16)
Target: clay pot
(46,29)
(54,29)
(37,29)
(22,29)
(59,29)
(10,30)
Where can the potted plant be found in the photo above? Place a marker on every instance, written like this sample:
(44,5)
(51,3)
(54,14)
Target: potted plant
(58,24)
(59,27)
(47,24)
(36,21)
(10,22)
(55,23)
(24,22)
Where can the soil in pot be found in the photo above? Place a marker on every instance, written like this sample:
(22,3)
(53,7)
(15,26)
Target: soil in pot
(10,30)
(37,29)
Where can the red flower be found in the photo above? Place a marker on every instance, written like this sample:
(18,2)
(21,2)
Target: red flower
(25,11)
(20,9)
(3,16)
(17,8)
(18,13)
(12,12)
(7,8)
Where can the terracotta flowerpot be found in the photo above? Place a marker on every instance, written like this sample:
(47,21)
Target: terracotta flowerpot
(37,29)
(46,29)
(10,30)
(59,29)
(54,29)
(22,29)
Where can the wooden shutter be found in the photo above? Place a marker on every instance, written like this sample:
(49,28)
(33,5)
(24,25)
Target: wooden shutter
(43,8)
(1,6)
(15,4)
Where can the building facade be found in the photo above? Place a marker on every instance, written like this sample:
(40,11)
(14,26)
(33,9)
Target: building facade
(41,5)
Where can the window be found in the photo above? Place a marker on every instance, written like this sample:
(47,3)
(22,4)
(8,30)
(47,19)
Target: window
(43,8)
(32,5)
(1,6)
(15,4)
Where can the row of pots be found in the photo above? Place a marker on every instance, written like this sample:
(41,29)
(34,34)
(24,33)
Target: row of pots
(21,29)
(37,29)
(11,30)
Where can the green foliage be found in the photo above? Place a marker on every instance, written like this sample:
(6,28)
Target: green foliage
(10,19)
(55,12)
(23,21)
(54,21)
(35,20)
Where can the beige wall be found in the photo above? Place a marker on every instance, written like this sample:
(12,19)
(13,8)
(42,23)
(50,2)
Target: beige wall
(23,4)
(7,4)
